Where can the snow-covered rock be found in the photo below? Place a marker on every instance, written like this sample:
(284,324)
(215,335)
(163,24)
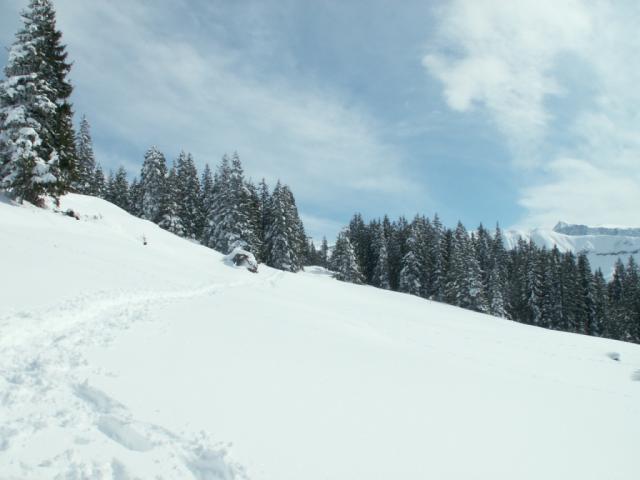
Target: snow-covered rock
(239,257)
(120,360)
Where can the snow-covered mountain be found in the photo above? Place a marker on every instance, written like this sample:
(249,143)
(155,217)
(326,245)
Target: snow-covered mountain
(603,245)
(120,360)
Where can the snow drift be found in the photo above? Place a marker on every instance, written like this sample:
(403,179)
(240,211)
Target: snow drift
(125,360)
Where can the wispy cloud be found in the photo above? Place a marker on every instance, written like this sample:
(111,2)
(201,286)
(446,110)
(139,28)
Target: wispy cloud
(523,63)
(145,84)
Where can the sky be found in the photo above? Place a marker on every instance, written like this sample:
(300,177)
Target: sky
(523,113)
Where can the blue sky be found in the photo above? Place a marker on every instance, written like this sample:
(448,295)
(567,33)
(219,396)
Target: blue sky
(480,110)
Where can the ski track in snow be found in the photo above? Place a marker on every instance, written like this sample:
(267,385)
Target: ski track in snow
(43,385)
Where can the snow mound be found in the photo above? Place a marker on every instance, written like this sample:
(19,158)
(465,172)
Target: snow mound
(239,257)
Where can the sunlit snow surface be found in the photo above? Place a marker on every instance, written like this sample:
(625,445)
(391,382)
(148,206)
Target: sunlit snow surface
(123,360)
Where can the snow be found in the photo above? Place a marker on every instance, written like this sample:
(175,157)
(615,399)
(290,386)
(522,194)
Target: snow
(602,250)
(124,360)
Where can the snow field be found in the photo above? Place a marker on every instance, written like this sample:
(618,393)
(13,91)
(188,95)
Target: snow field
(119,360)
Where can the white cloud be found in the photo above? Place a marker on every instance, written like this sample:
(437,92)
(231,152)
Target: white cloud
(583,192)
(511,59)
(146,84)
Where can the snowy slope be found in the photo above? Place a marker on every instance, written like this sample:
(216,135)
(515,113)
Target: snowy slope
(603,245)
(119,360)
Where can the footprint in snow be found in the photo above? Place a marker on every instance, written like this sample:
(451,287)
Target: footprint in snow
(614,356)
(636,376)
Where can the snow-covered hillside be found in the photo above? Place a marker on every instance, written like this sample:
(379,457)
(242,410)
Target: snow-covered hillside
(123,360)
(603,245)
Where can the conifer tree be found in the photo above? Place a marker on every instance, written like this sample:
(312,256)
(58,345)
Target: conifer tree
(85,182)
(135,198)
(585,304)
(280,236)
(380,276)
(411,266)
(99,187)
(343,261)
(118,189)
(359,238)
(153,185)
(56,69)
(187,196)
(230,222)
(298,237)
(435,281)
(556,289)
(206,200)
(599,327)
(169,211)
(29,160)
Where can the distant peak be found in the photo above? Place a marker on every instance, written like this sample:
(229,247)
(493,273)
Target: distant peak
(577,230)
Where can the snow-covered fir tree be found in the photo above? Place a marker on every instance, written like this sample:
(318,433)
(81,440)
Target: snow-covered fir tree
(206,200)
(343,261)
(85,182)
(412,267)
(29,161)
(380,275)
(135,198)
(118,189)
(187,195)
(229,223)
(282,232)
(99,186)
(153,185)
(56,68)
(170,218)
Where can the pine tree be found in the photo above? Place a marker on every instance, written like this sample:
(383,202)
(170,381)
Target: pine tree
(99,186)
(85,182)
(29,162)
(585,305)
(188,195)
(118,189)
(153,185)
(169,213)
(359,238)
(570,290)
(230,224)
(556,289)
(135,198)
(436,267)
(280,237)
(411,271)
(298,237)
(206,201)
(496,279)
(343,261)
(536,295)
(56,69)
(255,213)
(380,276)
(600,324)
(264,197)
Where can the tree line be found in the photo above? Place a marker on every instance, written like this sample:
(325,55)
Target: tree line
(528,284)
(222,210)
